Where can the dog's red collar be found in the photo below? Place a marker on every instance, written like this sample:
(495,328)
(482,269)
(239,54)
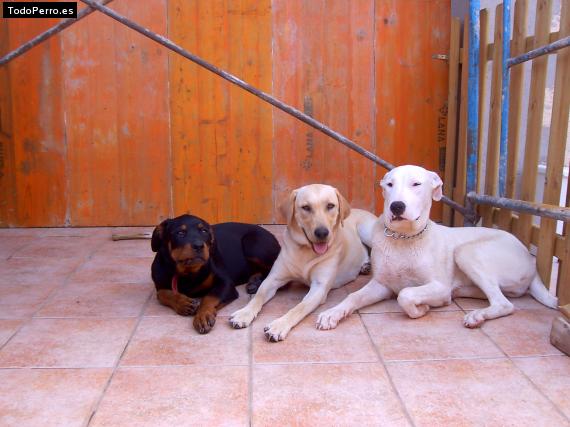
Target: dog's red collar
(175,283)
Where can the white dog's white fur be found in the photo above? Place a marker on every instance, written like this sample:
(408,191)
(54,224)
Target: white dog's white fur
(426,264)
(321,260)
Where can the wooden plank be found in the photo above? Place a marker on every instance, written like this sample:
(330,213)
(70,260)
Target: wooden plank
(323,64)
(411,86)
(535,113)
(7,175)
(515,107)
(221,135)
(483,88)
(494,134)
(556,150)
(461,175)
(117,119)
(39,147)
(452,116)
(563,286)
(560,334)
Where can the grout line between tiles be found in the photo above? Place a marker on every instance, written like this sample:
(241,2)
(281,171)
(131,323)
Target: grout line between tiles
(387,372)
(250,377)
(118,361)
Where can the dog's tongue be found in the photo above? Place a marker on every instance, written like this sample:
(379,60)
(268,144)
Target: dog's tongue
(320,248)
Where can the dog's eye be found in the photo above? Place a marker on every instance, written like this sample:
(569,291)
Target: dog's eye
(306,208)
(181,233)
(389,184)
(417,184)
(330,206)
(203,230)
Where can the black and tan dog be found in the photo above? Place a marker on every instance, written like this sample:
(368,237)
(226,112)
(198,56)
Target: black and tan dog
(197,260)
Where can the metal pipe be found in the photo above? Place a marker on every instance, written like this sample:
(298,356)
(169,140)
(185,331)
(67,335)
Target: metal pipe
(473,95)
(47,34)
(503,147)
(549,48)
(473,98)
(549,211)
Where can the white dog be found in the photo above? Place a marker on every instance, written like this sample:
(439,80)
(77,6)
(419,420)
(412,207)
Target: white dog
(426,264)
(321,248)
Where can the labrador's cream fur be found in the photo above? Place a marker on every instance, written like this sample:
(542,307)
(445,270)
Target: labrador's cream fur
(323,263)
(426,264)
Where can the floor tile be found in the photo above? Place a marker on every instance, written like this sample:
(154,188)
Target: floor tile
(49,397)
(36,271)
(8,328)
(471,393)
(523,333)
(20,301)
(349,342)
(174,341)
(434,336)
(522,303)
(324,395)
(122,248)
(176,396)
(11,244)
(552,376)
(59,247)
(67,343)
(96,300)
(114,270)
(290,295)
(155,308)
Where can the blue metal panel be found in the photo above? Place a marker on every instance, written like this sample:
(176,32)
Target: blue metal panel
(473,95)
(505,98)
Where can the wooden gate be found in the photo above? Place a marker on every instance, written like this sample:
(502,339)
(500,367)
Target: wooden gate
(100,126)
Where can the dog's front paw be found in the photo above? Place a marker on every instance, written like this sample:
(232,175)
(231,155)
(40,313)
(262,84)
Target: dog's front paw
(241,318)
(186,306)
(474,319)
(277,330)
(204,321)
(329,319)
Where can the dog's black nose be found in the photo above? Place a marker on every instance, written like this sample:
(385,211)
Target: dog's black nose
(197,246)
(321,232)
(398,208)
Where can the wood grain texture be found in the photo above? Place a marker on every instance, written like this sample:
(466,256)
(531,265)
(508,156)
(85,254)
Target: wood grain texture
(38,151)
(221,135)
(117,119)
(535,114)
(323,65)
(452,117)
(556,152)
(410,108)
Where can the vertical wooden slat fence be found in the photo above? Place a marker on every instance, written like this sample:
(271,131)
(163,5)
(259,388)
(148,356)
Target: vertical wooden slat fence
(552,247)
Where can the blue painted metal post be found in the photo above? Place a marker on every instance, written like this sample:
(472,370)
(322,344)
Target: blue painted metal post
(503,148)
(473,96)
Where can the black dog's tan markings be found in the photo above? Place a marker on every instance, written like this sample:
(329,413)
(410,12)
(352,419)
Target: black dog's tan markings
(208,262)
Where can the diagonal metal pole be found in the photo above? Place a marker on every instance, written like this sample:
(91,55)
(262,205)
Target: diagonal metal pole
(254,91)
(47,34)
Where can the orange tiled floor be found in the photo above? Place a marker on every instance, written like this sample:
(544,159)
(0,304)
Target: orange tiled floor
(83,341)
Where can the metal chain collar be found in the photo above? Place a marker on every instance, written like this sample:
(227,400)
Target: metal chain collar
(395,235)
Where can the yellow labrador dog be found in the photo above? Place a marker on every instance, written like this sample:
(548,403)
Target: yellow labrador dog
(321,248)
(426,264)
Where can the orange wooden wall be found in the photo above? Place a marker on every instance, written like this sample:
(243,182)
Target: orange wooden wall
(100,126)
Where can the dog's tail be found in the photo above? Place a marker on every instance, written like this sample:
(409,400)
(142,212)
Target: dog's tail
(541,294)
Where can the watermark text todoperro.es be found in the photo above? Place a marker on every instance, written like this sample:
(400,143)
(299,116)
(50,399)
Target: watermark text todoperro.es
(39,9)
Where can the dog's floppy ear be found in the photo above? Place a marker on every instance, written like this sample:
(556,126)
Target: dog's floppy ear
(158,236)
(343,207)
(437,185)
(288,207)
